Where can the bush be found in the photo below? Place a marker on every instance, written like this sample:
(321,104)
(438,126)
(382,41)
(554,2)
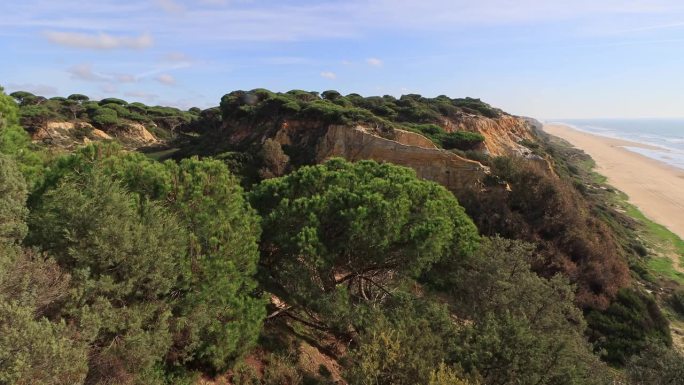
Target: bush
(462,140)
(549,211)
(627,327)
(403,344)
(280,371)
(105,118)
(676,302)
(217,317)
(656,365)
(516,318)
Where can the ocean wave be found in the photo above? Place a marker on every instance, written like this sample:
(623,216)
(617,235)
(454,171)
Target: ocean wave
(675,159)
(670,137)
(666,140)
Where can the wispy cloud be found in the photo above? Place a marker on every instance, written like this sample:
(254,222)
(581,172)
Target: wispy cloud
(126,78)
(214,2)
(147,96)
(109,88)
(85,72)
(329,75)
(166,79)
(100,41)
(177,57)
(170,6)
(289,20)
(374,62)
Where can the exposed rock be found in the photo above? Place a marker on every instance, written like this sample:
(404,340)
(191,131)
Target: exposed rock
(65,134)
(441,166)
(136,133)
(412,139)
(502,135)
(73,134)
(100,134)
(502,138)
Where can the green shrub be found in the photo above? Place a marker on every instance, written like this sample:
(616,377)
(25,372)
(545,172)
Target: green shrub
(676,302)
(462,140)
(627,327)
(216,316)
(281,371)
(363,218)
(105,118)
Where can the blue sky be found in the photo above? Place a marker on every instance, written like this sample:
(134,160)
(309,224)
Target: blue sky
(546,59)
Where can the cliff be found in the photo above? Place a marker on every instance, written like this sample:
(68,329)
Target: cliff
(73,134)
(314,141)
(405,149)
(503,135)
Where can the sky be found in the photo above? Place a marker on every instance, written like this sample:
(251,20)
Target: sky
(541,58)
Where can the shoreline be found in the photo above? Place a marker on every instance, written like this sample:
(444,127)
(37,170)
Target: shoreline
(654,187)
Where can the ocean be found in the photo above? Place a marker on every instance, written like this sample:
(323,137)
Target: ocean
(666,134)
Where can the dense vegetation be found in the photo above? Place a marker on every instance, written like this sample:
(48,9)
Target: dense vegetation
(550,212)
(332,107)
(260,113)
(119,269)
(110,114)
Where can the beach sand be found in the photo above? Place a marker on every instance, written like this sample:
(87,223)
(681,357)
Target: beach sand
(656,188)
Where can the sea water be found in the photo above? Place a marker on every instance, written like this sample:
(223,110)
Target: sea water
(666,135)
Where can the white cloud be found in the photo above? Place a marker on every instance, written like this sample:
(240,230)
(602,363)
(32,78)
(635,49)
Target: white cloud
(375,62)
(126,78)
(85,72)
(109,89)
(100,41)
(329,75)
(289,20)
(170,6)
(177,57)
(214,2)
(166,79)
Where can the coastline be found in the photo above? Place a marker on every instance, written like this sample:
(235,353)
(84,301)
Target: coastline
(654,187)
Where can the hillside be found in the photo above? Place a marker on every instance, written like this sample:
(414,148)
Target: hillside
(298,238)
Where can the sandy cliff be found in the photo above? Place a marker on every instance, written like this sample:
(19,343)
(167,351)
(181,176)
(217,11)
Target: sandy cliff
(73,134)
(502,135)
(406,149)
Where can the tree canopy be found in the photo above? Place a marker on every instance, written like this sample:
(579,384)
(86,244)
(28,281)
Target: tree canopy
(356,227)
(215,272)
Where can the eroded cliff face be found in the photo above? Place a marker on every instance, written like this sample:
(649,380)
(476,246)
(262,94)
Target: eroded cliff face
(320,141)
(502,135)
(74,134)
(405,149)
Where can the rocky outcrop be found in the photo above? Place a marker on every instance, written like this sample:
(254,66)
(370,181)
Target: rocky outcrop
(136,133)
(502,135)
(68,134)
(73,134)
(406,149)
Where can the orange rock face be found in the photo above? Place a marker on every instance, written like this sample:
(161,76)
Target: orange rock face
(64,134)
(502,135)
(408,149)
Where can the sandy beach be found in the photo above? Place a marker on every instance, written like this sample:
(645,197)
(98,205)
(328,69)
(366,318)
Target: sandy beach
(656,188)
